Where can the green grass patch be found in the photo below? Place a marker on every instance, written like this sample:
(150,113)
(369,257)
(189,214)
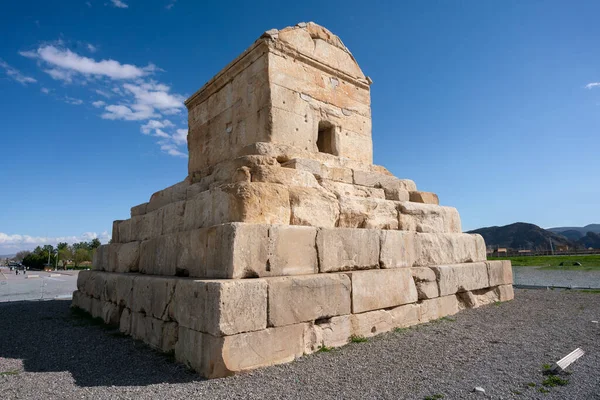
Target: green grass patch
(436,396)
(401,330)
(546,367)
(531,384)
(554,380)
(358,339)
(324,349)
(592,291)
(543,390)
(589,262)
(10,372)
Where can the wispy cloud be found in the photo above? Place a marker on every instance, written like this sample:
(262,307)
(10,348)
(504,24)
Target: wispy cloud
(15,74)
(127,91)
(119,4)
(171,4)
(91,48)
(45,90)
(592,85)
(64,63)
(16,242)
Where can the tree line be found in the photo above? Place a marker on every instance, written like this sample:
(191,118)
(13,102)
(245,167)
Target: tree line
(62,254)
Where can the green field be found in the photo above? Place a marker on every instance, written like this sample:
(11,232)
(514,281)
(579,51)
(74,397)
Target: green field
(588,262)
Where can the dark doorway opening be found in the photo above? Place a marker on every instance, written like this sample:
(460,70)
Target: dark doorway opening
(325,138)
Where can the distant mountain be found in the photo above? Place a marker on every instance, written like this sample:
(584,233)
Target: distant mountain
(591,239)
(571,234)
(595,228)
(521,235)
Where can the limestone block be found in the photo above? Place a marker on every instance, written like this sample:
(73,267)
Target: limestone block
(139,209)
(156,333)
(109,289)
(304,164)
(123,257)
(397,249)
(158,256)
(95,284)
(468,299)
(345,249)
(295,299)
(171,194)
(245,351)
(81,301)
(376,289)
(371,323)
(346,189)
(124,290)
(506,292)
(426,283)
(292,250)
(361,212)
(424,197)
(126,233)
(313,207)
(404,316)
(396,193)
(115,231)
(461,277)
(439,307)
(428,218)
(252,202)
(224,307)
(454,248)
(110,313)
(153,296)
(384,181)
(284,176)
(500,272)
(336,174)
(173,217)
(334,332)
(147,226)
(125,321)
(100,258)
(82,279)
(96,308)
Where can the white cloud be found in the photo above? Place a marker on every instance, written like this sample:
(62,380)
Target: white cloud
(45,90)
(119,4)
(180,136)
(102,93)
(66,60)
(161,133)
(592,85)
(15,74)
(154,124)
(156,95)
(91,48)
(60,75)
(72,100)
(171,149)
(98,103)
(137,112)
(16,242)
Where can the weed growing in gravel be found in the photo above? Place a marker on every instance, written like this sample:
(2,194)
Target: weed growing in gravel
(434,397)
(358,339)
(546,367)
(554,380)
(324,349)
(531,384)
(543,390)
(593,291)
(10,372)
(400,330)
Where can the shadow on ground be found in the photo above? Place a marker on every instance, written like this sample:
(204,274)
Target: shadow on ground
(48,337)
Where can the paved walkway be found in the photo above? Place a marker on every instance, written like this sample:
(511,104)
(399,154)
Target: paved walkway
(36,285)
(535,276)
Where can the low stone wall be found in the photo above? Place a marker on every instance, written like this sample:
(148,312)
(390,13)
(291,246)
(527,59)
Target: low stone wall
(219,327)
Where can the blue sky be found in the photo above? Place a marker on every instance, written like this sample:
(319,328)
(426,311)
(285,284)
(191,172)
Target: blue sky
(495,106)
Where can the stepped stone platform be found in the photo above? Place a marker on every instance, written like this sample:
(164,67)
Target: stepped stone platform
(284,237)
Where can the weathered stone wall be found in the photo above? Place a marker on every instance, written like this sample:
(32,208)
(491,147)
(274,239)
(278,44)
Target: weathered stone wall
(219,327)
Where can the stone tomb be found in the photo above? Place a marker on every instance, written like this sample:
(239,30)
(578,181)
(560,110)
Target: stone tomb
(284,237)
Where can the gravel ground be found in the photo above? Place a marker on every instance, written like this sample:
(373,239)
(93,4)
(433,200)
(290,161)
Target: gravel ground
(544,277)
(49,354)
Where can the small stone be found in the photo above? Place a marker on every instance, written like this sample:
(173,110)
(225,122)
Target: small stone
(479,389)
